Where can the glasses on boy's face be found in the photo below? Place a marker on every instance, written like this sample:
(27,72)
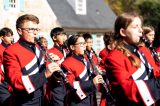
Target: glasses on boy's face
(30,30)
(81,43)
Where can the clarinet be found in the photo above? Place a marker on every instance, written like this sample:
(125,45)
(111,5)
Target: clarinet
(49,59)
(109,97)
(152,49)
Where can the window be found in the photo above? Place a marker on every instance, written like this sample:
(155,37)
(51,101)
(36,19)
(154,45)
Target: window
(79,6)
(13,5)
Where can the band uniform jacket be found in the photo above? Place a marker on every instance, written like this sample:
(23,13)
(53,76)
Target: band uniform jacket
(79,76)
(158,49)
(103,54)
(56,91)
(133,86)
(100,66)
(158,53)
(93,56)
(24,67)
(4,88)
(3,46)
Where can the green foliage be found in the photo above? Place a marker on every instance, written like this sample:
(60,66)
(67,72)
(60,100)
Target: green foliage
(150,10)
(120,6)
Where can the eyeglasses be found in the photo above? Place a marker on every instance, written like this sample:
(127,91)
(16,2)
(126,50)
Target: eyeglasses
(81,43)
(31,30)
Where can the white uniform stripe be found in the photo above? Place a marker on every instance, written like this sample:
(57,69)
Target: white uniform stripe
(142,59)
(146,78)
(42,62)
(150,67)
(37,52)
(34,61)
(139,72)
(30,64)
(64,53)
(144,92)
(87,78)
(61,61)
(35,71)
(2,68)
(83,73)
(79,91)
(27,84)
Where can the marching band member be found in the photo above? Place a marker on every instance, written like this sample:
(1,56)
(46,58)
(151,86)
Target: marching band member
(56,90)
(89,48)
(132,72)
(24,64)
(110,43)
(79,73)
(149,33)
(44,42)
(6,35)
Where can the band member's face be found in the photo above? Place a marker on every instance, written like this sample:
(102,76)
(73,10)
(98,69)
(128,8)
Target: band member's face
(61,38)
(150,36)
(89,44)
(133,32)
(80,46)
(29,31)
(7,39)
(44,42)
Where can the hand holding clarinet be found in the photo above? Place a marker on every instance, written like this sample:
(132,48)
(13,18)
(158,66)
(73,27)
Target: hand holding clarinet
(53,66)
(99,79)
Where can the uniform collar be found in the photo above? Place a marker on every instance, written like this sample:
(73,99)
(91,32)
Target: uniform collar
(5,45)
(25,43)
(79,57)
(132,48)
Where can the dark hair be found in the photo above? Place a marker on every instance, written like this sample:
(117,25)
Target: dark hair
(27,17)
(108,38)
(42,38)
(87,36)
(56,31)
(72,41)
(5,31)
(147,29)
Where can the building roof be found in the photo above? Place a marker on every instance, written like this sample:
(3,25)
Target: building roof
(99,15)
